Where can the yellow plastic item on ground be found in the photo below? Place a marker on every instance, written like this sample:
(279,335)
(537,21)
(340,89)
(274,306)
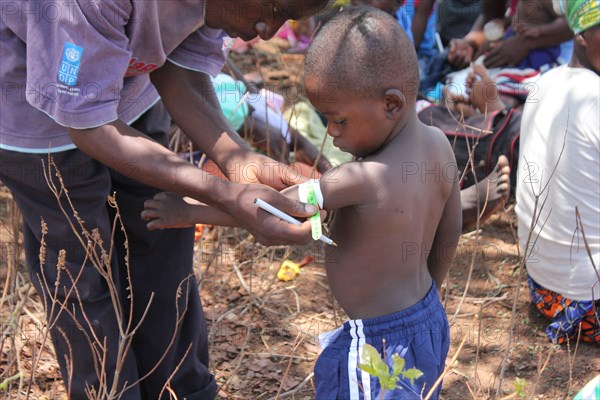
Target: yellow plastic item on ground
(288,271)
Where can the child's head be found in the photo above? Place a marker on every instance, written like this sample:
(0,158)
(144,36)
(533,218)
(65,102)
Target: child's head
(365,51)
(361,72)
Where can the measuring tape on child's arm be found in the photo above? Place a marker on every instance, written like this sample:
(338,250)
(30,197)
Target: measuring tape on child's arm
(310,192)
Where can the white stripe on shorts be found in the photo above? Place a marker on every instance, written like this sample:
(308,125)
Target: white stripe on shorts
(353,363)
(365,377)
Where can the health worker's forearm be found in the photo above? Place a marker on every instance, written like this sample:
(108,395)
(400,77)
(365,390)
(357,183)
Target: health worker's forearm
(191,101)
(135,155)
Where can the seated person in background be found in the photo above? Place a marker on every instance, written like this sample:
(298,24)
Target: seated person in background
(416,17)
(456,18)
(530,40)
(390,293)
(559,161)
(482,96)
(256,119)
(490,194)
(298,34)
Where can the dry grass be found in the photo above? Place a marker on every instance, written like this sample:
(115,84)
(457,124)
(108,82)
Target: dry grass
(263,331)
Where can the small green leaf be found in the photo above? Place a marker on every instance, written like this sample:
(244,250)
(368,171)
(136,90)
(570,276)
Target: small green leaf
(398,365)
(412,374)
(368,369)
(389,383)
(370,356)
(519,385)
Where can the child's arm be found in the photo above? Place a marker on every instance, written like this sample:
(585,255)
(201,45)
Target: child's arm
(446,238)
(170,210)
(343,186)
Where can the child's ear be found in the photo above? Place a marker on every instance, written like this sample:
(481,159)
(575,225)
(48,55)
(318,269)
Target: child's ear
(395,102)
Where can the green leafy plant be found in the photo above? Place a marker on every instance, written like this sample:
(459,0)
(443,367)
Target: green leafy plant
(373,364)
(519,385)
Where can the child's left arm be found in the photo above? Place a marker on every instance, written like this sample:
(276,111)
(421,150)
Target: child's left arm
(446,238)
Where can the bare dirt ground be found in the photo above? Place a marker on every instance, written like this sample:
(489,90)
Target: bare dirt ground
(263,331)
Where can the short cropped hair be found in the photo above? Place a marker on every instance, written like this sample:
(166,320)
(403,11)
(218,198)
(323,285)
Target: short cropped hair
(363,50)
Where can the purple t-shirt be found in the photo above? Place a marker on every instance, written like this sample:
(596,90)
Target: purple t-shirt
(84,63)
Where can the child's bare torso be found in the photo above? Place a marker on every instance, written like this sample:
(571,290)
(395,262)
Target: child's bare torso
(380,264)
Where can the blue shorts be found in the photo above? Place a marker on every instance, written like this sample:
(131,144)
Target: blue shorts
(419,334)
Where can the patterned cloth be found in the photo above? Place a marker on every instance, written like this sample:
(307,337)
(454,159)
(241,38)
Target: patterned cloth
(581,14)
(566,315)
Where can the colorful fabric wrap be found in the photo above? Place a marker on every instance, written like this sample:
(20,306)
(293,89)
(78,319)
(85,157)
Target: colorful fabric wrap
(568,318)
(581,14)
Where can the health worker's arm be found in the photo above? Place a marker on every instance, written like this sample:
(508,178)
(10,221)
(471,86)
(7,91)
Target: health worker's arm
(132,153)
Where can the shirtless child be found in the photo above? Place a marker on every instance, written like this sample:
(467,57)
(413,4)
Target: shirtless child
(398,212)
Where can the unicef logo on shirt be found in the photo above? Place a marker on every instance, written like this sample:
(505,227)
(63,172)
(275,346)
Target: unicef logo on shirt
(72,54)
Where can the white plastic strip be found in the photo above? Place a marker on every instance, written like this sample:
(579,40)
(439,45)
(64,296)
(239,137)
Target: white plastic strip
(303,190)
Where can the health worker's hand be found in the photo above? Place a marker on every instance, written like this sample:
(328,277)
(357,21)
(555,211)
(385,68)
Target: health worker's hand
(268,229)
(257,168)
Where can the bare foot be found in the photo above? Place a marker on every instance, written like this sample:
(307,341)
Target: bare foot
(168,210)
(491,193)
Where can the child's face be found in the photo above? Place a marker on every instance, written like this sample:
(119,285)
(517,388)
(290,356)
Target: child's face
(358,125)
(250,18)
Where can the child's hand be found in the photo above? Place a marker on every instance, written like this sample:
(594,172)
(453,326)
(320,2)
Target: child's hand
(268,229)
(168,210)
